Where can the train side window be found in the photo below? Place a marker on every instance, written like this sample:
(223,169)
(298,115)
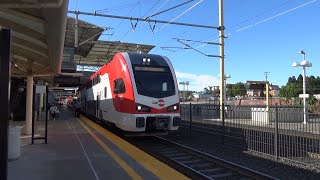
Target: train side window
(99,78)
(105,92)
(119,86)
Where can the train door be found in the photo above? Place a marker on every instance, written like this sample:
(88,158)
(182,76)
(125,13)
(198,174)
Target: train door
(116,102)
(118,90)
(85,105)
(98,107)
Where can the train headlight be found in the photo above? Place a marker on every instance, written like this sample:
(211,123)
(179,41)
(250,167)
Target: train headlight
(144,59)
(174,107)
(142,108)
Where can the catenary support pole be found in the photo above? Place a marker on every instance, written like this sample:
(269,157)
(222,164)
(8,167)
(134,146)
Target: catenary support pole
(41,98)
(221,38)
(29,104)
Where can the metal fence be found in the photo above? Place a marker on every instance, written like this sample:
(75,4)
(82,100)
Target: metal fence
(278,131)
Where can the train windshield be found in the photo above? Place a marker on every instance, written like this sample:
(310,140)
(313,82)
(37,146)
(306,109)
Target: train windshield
(154,82)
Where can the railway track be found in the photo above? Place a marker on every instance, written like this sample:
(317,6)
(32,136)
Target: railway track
(193,163)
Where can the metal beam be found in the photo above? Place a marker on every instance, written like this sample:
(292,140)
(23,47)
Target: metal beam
(21,14)
(24,30)
(25,5)
(30,56)
(29,44)
(35,53)
(142,19)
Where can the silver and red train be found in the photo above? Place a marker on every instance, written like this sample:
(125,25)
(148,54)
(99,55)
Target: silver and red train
(136,92)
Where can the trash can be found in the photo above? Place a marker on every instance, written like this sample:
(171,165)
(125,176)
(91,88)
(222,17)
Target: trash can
(14,142)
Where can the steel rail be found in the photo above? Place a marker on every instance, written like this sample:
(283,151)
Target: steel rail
(203,165)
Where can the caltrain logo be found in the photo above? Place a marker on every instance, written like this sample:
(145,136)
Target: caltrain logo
(160,102)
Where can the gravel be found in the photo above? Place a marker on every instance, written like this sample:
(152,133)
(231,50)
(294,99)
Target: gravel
(282,169)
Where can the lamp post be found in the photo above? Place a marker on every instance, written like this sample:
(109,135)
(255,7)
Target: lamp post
(225,86)
(183,83)
(187,83)
(304,63)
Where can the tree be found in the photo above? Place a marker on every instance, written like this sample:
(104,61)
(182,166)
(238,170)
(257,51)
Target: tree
(216,92)
(290,90)
(312,101)
(229,91)
(292,79)
(239,89)
(300,79)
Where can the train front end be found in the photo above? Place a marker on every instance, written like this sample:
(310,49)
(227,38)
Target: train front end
(156,94)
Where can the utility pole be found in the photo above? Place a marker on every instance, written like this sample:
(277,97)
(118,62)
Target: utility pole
(266,75)
(221,40)
(267,99)
(187,83)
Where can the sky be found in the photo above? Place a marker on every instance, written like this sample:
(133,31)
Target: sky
(262,36)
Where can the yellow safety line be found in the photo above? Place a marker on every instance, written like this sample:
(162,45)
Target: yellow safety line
(122,163)
(150,163)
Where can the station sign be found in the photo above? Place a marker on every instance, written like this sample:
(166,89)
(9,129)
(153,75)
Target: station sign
(303,95)
(40,89)
(67,81)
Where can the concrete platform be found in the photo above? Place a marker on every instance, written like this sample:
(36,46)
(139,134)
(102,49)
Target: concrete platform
(80,149)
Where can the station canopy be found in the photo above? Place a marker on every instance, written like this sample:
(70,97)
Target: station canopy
(38,29)
(91,51)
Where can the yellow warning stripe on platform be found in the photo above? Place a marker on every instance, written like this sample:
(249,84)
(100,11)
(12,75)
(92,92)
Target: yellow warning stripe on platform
(150,163)
(121,162)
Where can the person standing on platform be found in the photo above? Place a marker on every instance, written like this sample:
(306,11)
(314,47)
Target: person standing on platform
(54,110)
(77,109)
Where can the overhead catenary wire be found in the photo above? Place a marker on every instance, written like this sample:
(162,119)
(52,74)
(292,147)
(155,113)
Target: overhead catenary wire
(130,29)
(277,15)
(159,8)
(170,22)
(166,10)
(121,7)
(262,21)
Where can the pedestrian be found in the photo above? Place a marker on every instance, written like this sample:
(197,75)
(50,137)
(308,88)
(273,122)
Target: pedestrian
(77,109)
(54,110)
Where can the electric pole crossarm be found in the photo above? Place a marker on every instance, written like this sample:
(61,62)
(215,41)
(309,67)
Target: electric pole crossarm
(211,43)
(190,47)
(141,19)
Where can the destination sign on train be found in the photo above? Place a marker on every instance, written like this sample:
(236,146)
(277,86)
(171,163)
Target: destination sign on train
(153,69)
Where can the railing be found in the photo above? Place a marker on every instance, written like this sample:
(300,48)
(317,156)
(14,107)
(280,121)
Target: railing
(278,131)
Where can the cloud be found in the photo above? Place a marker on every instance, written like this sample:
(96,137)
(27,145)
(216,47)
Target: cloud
(197,82)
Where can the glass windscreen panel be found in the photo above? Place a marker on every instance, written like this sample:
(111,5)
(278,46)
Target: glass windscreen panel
(154,82)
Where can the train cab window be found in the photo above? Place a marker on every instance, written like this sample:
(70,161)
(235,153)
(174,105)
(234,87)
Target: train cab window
(105,92)
(119,86)
(165,86)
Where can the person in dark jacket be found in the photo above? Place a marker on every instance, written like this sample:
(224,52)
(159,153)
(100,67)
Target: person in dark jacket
(77,109)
